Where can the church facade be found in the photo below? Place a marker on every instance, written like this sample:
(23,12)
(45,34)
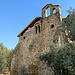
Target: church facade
(36,39)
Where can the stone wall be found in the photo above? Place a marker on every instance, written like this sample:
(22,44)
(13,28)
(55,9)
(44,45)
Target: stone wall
(33,42)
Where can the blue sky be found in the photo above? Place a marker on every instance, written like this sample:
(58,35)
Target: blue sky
(15,15)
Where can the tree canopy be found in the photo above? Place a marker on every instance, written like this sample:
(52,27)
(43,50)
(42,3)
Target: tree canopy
(61,59)
(5,57)
(70,24)
(3,60)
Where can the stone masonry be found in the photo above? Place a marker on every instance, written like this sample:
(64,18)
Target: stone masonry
(36,39)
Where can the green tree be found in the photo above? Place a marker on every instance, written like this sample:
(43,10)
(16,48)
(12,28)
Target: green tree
(8,56)
(5,57)
(61,59)
(70,23)
(3,60)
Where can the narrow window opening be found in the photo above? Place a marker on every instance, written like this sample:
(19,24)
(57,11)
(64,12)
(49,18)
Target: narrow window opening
(36,29)
(39,28)
(52,26)
(48,12)
(54,10)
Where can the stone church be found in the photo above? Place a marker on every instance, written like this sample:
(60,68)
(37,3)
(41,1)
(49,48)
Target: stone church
(36,39)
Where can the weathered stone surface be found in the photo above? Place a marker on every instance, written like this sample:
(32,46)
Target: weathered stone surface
(35,40)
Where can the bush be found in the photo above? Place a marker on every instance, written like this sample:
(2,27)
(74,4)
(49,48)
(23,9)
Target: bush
(61,59)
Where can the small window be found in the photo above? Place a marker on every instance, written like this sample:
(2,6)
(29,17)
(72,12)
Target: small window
(52,26)
(39,28)
(24,37)
(36,29)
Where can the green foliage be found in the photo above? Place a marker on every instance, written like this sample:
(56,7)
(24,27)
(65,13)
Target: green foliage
(71,11)
(61,59)
(70,23)
(5,57)
(8,57)
(3,60)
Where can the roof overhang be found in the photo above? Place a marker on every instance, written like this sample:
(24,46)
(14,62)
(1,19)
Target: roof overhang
(30,25)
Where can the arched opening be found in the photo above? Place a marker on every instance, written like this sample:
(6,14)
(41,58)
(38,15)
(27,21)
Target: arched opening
(54,10)
(48,12)
(39,28)
(36,30)
(52,26)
